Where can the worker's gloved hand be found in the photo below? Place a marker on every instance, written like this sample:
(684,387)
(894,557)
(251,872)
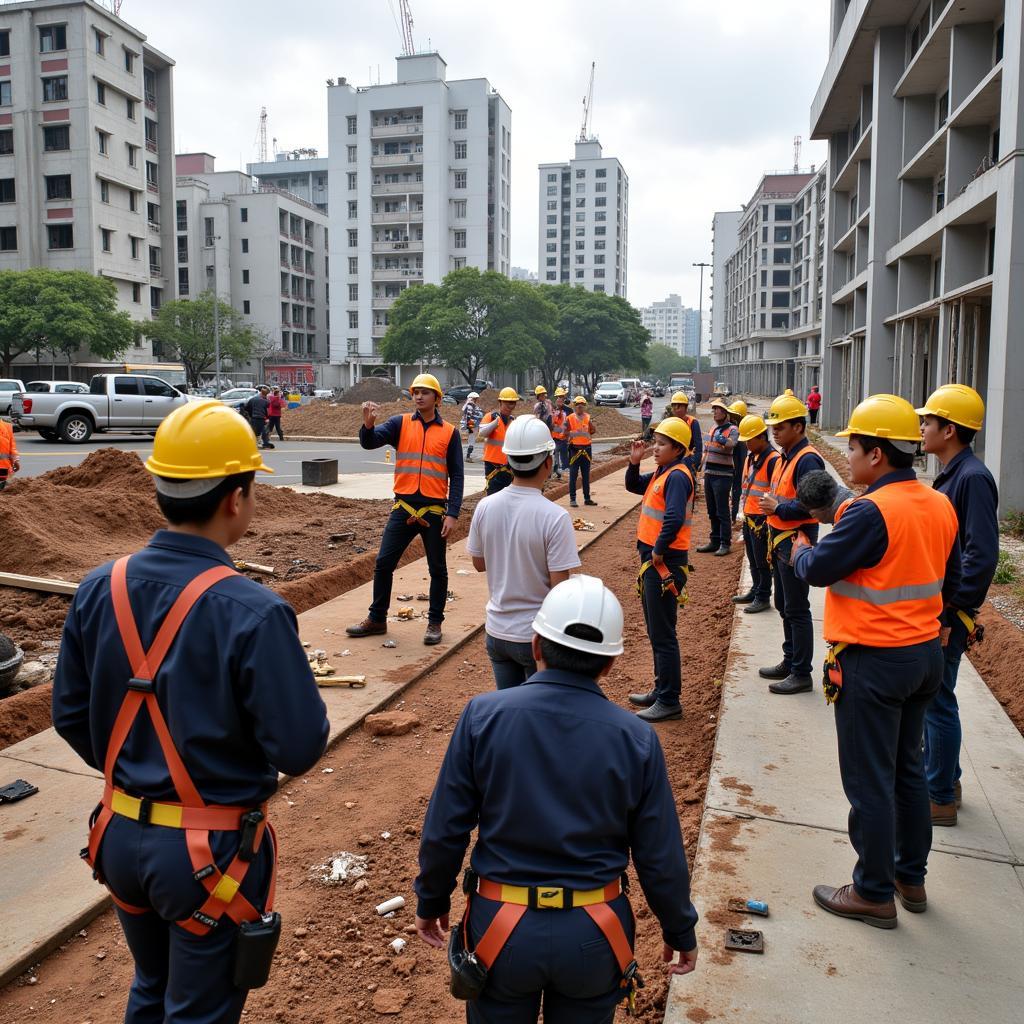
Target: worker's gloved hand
(433,930)
(686,964)
(447,525)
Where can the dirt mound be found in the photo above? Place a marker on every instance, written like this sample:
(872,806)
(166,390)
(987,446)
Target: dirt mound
(24,715)
(371,389)
(110,469)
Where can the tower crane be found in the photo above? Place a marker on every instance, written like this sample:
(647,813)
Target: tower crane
(262,136)
(588,102)
(408,49)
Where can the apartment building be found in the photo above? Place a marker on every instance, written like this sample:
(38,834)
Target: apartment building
(584,221)
(86,152)
(301,172)
(671,323)
(725,227)
(265,252)
(921,105)
(773,288)
(420,185)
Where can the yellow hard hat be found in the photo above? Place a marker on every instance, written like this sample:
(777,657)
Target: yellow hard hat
(204,440)
(788,392)
(675,428)
(560,392)
(957,403)
(427,380)
(540,390)
(889,417)
(751,426)
(719,404)
(579,400)
(785,407)
(508,395)
(738,408)
(680,398)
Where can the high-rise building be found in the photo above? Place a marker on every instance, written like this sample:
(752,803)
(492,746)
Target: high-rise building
(524,274)
(419,184)
(725,229)
(671,323)
(584,221)
(265,251)
(300,172)
(921,106)
(771,291)
(86,150)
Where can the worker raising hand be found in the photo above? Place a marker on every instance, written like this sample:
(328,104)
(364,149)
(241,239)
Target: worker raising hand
(370,410)
(637,450)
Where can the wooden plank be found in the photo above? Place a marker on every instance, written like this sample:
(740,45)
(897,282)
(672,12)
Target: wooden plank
(13,579)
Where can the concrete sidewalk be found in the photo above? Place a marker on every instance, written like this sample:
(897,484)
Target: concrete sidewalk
(774,826)
(42,908)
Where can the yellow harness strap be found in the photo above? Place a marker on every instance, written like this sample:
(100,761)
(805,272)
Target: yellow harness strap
(416,515)
(777,540)
(494,472)
(581,453)
(832,683)
(668,583)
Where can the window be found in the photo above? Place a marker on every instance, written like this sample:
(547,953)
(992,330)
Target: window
(105,192)
(101,94)
(601,201)
(154,259)
(106,239)
(552,233)
(600,245)
(58,186)
(552,177)
(5,43)
(780,321)
(780,300)
(940,192)
(152,176)
(351,154)
(551,247)
(783,234)
(353,319)
(353,264)
(779,277)
(244,214)
(460,209)
(782,256)
(245,306)
(135,242)
(157,388)
(129,110)
(351,124)
(8,239)
(6,98)
(129,64)
(353,239)
(60,236)
(55,88)
(552,190)
(245,277)
(598,259)
(133,155)
(58,138)
(6,141)
(551,261)
(460,150)
(601,172)
(461,120)
(353,293)
(136,292)
(460,239)
(552,218)
(99,41)
(133,200)
(7,190)
(351,181)
(551,275)
(598,273)
(153,214)
(183,248)
(783,212)
(52,37)
(103,144)
(943,109)
(460,179)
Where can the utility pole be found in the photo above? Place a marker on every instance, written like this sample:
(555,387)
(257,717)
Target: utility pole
(700,312)
(211,245)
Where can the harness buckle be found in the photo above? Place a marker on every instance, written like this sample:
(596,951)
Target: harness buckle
(250,823)
(145,810)
(546,897)
(210,922)
(141,685)
(204,872)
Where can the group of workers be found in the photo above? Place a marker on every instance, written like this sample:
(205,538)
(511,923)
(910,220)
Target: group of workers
(181,837)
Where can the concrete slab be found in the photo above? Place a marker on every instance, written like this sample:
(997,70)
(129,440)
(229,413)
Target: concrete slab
(41,750)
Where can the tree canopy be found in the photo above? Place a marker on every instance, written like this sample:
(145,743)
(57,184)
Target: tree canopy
(60,312)
(663,360)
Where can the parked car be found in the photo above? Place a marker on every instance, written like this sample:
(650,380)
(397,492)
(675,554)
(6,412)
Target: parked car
(237,397)
(133,403)
(9,387)
(56,387)
(610,392)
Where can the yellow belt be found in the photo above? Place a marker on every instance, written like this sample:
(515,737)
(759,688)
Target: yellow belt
(551,897)
(777,540)
(832,684)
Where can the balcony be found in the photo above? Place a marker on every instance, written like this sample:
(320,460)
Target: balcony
(396,159)
(150,101)
(154,270)
(384,301)
(399,188)
(151,145)
(154,226)
(393,131)
(412,245)
(397,273)
(403,217)
(378,331)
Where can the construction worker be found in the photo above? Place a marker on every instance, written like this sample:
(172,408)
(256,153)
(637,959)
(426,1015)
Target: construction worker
(718,475)
(760,465)
(890,564)
(187,685)
(492,429)
(679,408)
(952,416)
(526,544)
(472,414)
(580,428)
(10,462)
(821,494)
(560,432)
(737,410)
(542,409)
(547,866)
(787,417)
(663,542)
(428,499)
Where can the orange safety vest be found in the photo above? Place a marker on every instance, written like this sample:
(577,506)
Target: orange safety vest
(898,601)
(421,463)
(8,449)
(558,420)
(652,511)
(191,813)
(784,489)
(494,441)
(759,482)
(579,429)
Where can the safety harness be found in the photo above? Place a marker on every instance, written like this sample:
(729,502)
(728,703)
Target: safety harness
(582,452)
(777,539)
(975,630)
(668,582)
(496,471)
(832,682)
(192,813)
(417,515)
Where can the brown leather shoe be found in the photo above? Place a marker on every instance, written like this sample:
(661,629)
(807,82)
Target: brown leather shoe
(912,897)
(367,628)
(844,902)
(943,814)
(433,634)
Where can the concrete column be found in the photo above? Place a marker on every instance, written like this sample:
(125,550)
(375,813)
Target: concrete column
(831,359)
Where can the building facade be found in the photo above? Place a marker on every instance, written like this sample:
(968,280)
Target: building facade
(922,107)
(671,323)
(265,251)
(773,288)
(584,221)
(725,228)
(420,185)
(86,151)
(299,172)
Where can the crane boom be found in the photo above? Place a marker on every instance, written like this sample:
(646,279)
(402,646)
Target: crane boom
(408,48)
(588,102)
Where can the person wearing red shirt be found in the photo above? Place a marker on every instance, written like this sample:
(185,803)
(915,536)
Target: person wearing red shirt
(814,404)
(275,406)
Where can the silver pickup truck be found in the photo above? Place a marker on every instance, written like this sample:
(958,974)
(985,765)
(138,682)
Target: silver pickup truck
(122,402)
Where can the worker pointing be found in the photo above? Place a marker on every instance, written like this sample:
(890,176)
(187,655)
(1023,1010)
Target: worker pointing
(891,563)
(428,498)
(493,429)
(163,684)
(10,463)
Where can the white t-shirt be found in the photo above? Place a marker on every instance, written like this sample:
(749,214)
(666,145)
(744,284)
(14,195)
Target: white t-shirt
(522,536)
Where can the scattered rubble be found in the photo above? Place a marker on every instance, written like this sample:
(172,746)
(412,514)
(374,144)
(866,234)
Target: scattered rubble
(391,723)
(339,868)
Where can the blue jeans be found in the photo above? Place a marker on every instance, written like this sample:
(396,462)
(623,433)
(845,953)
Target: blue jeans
(942,733)
(561,456)
(261,428)
(580,468)
(660,615)
(716,496)
(792,600)
(512,662)
(398,535)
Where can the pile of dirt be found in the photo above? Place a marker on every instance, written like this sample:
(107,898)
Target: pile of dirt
(999,657)
(371,389)
(23,715)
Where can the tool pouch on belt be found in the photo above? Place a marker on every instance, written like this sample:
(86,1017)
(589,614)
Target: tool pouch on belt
(832,680)
(468,975)
(254,951)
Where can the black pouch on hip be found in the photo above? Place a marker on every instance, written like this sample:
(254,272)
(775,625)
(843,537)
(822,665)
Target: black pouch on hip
(468,975)
(254,951)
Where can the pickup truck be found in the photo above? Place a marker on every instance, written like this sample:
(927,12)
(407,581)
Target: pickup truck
(9,387)
(130,403)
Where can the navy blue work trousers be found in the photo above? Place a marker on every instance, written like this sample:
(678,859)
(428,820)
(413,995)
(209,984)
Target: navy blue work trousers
(942,732)
(561,456)
(558,958)
(660,615)
(756,543)
(398,535)
(716,497)
(580,469)
(880,725)
(792,600)
(180,978)
(501,479)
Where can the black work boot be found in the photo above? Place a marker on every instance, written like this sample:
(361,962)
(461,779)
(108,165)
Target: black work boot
(792,684)
(779,671)
(758,605)
(746,598)
(723,550)
(643,700)
(659,712)
(706,549)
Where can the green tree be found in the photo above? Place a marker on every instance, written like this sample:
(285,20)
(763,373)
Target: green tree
(663,360)
(60,312)
(470,321)
(184,330)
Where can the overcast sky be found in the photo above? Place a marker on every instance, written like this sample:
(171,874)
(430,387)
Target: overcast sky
(696,98)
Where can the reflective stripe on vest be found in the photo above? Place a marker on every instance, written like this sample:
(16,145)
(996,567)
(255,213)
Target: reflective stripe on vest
(494,442)
(421,461)
(579,429)
(759,483)
(898,601)
(558,418)
(784,489)
(652,511)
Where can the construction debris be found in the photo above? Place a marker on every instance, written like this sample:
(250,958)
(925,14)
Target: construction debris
(739,906)
(390,906)
(404,597)
(339,868)
(353,682)
(391,644)
(391,723)
(405,614)
(318,663)
(742,941)
(583,525)
(263,570)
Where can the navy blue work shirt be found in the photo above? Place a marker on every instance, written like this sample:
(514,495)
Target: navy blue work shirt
(792,509)
(677,496)
(235,688)
(389,432)
(859,541)
(565,786)
(697,441)
(969,485)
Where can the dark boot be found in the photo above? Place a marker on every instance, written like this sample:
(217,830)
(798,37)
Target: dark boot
(588,501)
(758,605)
(746,598)
(844,902)
(367,628)
(706,549)
(779,671)
(643,700)
(433,634)
(792,684)
(723,550)
(659,712)
(912,897)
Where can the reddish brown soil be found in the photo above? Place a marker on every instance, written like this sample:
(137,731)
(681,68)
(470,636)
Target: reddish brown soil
(24,714)
(334,964)
(998,660)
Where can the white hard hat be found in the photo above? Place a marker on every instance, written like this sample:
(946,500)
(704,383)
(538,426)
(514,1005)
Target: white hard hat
(528,436)
(472,394)
(584,601)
